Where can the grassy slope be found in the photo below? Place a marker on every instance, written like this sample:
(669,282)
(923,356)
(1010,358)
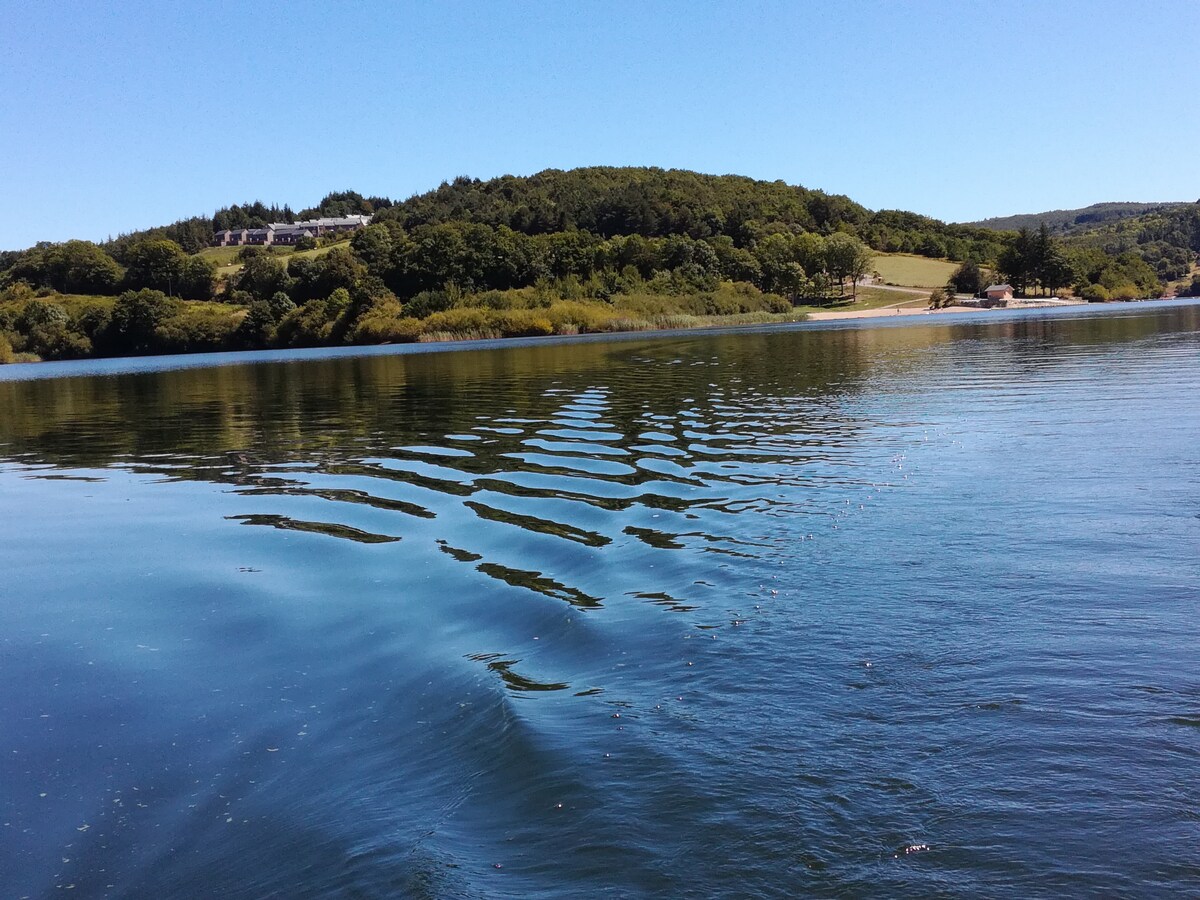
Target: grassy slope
(225,258)
(913,271)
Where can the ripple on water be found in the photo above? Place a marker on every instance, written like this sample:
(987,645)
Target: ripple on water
(892,611)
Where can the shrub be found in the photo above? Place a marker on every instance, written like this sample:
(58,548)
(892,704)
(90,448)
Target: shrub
(18,291)
(91,320)
(41,312)
(1125,292)
(196,330)
(6,351)
(459,319)
(522,323)
(1095,293)
(426,303)
(280,305)
(57,340)
(312,324)
(136,315)
(372,329)
(567,317)
(257,328)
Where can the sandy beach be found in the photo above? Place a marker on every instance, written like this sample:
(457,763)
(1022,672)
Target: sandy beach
(886,311)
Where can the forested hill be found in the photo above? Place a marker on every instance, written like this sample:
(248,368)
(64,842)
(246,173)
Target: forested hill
(610,201)
(654,202)
(1068,221)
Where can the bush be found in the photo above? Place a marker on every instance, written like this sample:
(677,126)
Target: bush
(460,319)
(6,351)
(195,331)
(306,243)
(312,324)
(522,323)
(18,291)
(1125,292)
(136,315)
(91,320)
(567,317)
(426,303)
(378,328)
(249,252)
(257,328)
(58,340)
(41,312)
(1095,293)
(280,305)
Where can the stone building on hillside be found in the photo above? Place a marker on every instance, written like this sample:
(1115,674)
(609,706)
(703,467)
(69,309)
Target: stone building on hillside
(286,233)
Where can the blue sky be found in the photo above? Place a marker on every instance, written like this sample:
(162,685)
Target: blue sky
(125,115)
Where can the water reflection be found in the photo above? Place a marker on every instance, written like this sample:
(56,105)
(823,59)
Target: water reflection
(585,611)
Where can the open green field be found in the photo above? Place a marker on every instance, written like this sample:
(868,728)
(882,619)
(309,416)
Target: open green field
(225,258)
(913,271)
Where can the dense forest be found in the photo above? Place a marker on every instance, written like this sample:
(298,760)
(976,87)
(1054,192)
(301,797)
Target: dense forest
(1066,221)
(1164,235)
(559,252)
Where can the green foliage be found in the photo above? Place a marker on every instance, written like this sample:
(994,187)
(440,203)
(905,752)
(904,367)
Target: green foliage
(1095,293)
(135,317)
(70,267)
(591,249)
(345,203)
(938,299)
(40,312)
(1190,290)
(1165,236)
(6,351)
(162,265)
(248,215)
(312,324)
(280,305)
(319,276)
(1065,221)
(846,257)
(967,279)
(263,275)
(1035,260)
(58,340)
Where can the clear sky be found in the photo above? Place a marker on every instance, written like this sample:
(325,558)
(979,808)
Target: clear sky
(124,115)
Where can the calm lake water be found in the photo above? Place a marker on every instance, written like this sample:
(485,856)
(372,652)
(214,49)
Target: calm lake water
(854,611)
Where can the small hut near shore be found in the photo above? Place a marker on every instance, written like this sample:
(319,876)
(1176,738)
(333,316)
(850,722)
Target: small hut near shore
(998,294)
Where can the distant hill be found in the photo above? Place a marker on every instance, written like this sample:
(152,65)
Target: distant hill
(607,201)
(1071,221)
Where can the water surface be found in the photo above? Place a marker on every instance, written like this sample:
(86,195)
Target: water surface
(851,611)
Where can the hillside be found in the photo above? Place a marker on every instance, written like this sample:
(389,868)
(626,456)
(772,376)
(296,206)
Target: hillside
(559,252)
(654,202)
(1067,221)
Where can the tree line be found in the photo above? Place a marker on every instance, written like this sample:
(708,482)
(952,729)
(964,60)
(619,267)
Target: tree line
(81,267)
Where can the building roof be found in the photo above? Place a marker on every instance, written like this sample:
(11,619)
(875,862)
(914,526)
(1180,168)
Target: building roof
(336,220)
(999,287)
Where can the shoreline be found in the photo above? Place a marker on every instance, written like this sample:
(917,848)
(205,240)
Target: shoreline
(899,316)
(1019,305)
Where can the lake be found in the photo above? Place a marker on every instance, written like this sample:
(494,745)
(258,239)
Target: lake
(876,609)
